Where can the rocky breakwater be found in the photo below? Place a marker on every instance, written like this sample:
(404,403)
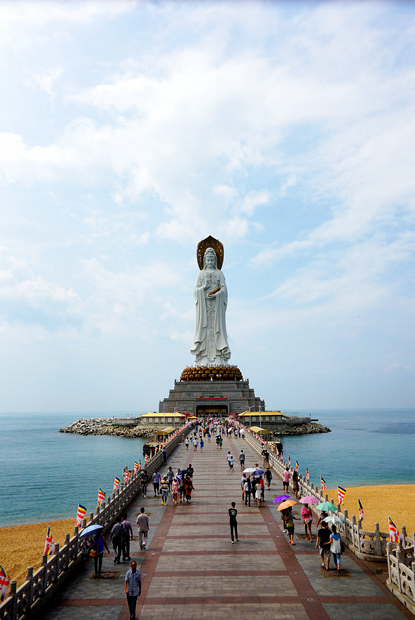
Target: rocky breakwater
(303,429)
(120,427)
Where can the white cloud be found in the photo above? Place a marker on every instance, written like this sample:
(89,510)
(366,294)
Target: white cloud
(287,131)
(46,81)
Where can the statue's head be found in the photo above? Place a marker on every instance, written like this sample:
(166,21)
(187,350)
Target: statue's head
(210,259)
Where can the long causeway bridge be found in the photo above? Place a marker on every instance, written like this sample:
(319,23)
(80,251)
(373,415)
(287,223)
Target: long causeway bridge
(192,571)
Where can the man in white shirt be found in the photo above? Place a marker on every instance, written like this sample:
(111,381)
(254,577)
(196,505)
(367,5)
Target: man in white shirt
(132,585)
(143,527)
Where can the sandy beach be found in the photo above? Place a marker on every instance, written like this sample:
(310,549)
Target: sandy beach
(22,545)
(380,502)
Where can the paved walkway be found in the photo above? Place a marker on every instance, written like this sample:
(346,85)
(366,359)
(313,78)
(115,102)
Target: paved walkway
(192,571)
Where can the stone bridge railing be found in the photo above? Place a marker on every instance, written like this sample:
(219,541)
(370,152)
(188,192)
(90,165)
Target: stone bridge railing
(27,600)
(365,544)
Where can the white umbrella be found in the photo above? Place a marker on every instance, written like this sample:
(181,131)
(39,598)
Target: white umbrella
(334,519)
(250,470)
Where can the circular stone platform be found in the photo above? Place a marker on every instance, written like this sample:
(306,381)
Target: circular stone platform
(211,373)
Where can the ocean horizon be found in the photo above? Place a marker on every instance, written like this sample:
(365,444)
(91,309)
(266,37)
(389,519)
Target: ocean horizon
(46,474)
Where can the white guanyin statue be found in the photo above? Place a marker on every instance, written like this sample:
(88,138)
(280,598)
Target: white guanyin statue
(210,344)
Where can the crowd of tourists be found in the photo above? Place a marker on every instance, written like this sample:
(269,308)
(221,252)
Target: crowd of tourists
(255,483)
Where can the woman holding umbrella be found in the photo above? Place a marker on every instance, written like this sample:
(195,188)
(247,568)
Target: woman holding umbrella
(98,548)
(307,517)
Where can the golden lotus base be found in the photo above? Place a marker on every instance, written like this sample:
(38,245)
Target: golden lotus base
(211,373)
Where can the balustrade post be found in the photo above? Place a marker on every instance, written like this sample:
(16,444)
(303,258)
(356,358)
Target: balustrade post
(76,534)
(326,497)
(399,560)
(413,580)
(29,577)
(346,518)
(378,544)
(56,553)
(353,529)
(83,523)
(12,594)
(403,530)
(332,501)
(67,543)
(43,564)
(91,518)
(388,559)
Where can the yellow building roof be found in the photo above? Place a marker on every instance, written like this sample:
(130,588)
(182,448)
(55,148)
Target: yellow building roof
(246,414)
(163,415)
(258,430)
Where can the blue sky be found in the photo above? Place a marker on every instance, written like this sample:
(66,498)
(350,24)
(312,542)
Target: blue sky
(130,131)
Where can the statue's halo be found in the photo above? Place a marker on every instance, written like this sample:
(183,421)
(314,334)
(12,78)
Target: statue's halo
(209,242)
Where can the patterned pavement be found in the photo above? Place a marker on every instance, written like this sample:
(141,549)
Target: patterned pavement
(191,570)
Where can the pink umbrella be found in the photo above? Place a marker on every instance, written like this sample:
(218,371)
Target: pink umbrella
(309,500)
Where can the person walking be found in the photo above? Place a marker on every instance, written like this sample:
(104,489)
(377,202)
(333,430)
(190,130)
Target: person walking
(289,524)
(170,476)
(296,487)
(127,536)
(164,488)
(233,522)
(98,548)
(258,493)
(242,460)
(286,480)
(144,482)
(143,524)
(117,538)
(268,478)
(187,443)
(248,491)
(164,456)
(156,482)
(201,443)
(220,442)
(132,588)
(307,517)
(182,489)
(336,547)
(243,481)
(188,485)
(324,542)
(195,444)
(175,490)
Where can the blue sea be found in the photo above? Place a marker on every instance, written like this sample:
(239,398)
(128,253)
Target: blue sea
(46,474)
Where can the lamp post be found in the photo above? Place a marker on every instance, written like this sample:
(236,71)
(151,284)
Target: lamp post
(260,425)
(250,421)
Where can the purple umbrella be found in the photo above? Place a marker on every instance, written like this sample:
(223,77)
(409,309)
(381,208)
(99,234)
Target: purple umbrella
(280,498)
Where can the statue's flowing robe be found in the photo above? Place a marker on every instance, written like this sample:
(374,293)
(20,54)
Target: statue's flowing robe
(219,302)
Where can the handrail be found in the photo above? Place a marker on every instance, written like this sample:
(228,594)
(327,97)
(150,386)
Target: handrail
(39,586)
(365,544)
